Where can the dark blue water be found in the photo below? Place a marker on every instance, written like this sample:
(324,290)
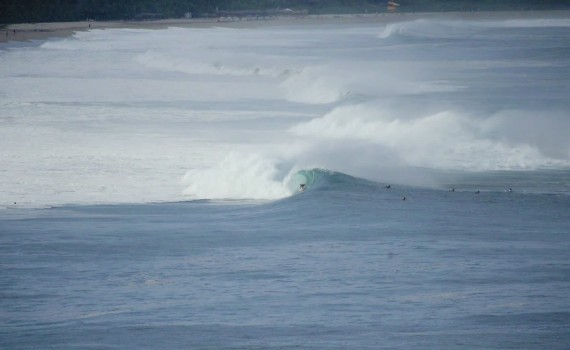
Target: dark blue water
(345,264)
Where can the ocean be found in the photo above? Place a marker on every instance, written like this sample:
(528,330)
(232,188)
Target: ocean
(150,186)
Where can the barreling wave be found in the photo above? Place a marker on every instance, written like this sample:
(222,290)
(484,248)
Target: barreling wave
(258,185)
(375,142)
(322,179)
(255,177)
(312,178)
(247,177)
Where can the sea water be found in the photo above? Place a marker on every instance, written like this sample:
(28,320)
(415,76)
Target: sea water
(149,186)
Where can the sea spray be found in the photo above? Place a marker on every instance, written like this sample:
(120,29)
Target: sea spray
(132,110)
(238,176)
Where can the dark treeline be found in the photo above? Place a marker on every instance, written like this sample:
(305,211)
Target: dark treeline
(20,11)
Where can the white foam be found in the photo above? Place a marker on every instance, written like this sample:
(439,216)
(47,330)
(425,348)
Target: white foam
(442,28)
(444,140)
(426,28)
(238,176)
(126,115)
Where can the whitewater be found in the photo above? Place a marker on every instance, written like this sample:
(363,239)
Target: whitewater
(149,185)
(136,116)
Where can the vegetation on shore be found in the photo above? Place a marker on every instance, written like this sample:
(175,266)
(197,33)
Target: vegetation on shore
(26,11)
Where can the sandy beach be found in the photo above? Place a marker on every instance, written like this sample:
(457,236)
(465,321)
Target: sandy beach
(44,31)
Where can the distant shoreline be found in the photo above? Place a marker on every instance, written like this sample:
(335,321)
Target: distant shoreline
(43,31)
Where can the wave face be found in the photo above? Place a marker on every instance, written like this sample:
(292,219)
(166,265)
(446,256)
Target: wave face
(123,115)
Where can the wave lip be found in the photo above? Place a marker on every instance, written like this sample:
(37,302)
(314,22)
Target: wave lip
(254,177)
(311,178)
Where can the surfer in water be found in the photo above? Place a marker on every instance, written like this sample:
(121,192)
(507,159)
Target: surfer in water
(302,187)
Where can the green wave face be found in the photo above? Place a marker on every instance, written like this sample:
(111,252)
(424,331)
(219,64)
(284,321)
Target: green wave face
(320,178)
(305,177)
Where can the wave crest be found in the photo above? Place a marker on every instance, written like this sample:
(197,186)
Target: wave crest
(445,140)
(238,176)
(427,28)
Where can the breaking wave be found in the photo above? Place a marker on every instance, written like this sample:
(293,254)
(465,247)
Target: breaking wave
(372,142)
(254,113)
(449,140)
(437,29)
(247,176)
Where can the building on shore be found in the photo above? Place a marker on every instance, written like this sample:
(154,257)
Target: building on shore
(392,6)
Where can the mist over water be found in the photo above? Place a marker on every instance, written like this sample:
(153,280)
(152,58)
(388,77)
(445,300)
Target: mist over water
(122,115)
